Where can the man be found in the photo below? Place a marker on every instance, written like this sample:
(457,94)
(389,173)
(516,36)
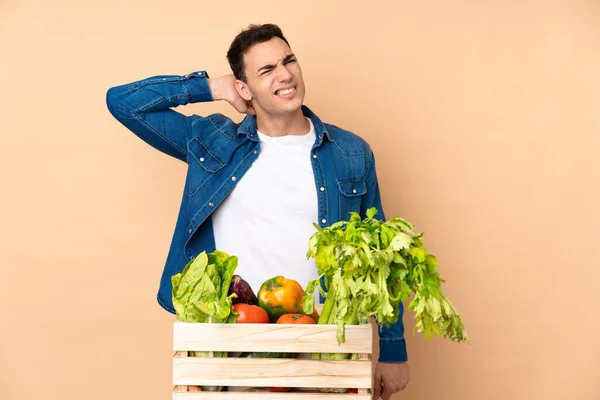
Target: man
(254,189)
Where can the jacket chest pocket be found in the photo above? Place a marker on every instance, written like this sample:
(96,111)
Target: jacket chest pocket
(202,165)
(351,192)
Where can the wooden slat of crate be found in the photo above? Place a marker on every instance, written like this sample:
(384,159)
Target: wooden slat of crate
(268,396)
(300,373)
(292,338)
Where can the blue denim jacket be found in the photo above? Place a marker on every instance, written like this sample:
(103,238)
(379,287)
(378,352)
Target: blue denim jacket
(219,151)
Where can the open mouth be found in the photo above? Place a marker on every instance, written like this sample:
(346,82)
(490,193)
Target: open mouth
(286,92)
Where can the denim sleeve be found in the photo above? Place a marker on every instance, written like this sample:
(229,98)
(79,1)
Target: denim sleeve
(144,107)
(392,346)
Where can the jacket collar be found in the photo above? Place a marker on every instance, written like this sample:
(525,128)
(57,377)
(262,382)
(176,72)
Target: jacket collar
(248,126)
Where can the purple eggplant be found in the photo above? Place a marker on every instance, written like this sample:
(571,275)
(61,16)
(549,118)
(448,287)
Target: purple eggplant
(243,291)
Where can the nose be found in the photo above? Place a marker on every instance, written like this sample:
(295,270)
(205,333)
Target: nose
(283,73)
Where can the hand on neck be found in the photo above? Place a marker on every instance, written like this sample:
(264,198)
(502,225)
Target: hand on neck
(282,125)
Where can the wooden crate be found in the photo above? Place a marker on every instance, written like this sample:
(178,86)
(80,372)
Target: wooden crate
(271,372)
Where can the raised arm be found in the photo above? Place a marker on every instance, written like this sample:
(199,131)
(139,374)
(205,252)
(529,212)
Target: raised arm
(145,107)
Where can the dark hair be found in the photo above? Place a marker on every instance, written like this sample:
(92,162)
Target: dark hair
(247,38)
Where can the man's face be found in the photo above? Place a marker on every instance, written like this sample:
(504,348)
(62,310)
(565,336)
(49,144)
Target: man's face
(273,78)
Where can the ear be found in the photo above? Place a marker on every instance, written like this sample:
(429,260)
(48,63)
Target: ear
(243,90)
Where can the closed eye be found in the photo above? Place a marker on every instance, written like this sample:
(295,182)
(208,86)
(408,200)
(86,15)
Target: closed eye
(269,68)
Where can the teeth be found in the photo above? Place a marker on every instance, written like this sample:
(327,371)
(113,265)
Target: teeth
(285,91)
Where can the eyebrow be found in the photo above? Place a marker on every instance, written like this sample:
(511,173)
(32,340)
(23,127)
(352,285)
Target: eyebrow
(271,66)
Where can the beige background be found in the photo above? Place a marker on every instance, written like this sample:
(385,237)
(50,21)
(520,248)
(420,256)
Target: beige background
(484,119)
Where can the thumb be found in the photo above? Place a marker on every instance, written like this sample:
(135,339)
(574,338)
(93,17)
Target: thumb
(377,386)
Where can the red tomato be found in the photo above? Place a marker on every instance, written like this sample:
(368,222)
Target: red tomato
(278,389)
(250,314)
(295,319)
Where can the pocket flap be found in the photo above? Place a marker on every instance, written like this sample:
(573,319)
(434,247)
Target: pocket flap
(204,157)
(352,187)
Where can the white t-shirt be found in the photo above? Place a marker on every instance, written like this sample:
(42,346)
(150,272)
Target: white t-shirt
(266,221)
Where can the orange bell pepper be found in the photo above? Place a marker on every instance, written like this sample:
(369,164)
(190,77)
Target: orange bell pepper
(280,296)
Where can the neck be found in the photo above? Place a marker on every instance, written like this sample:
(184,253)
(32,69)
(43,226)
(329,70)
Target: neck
(283,125)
